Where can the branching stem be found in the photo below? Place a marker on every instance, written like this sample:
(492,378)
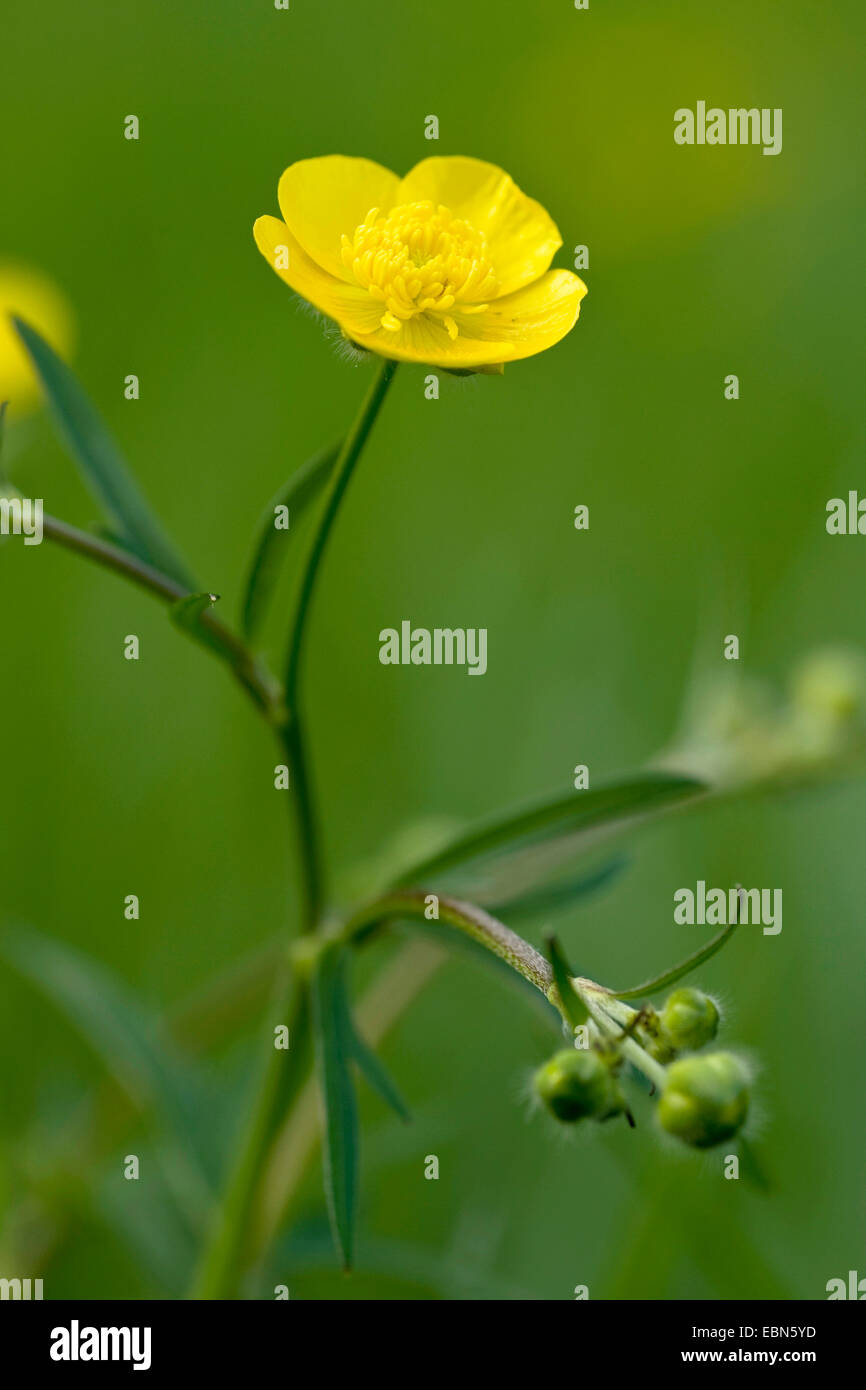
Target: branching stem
(258,683)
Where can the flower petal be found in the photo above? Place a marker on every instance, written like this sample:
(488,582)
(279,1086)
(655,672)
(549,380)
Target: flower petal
(527,321)
(27,294)
(518,325)
(324,199)
(352,307)
(522,238)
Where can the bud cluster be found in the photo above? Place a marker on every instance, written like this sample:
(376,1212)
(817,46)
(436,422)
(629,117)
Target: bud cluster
(703,1099)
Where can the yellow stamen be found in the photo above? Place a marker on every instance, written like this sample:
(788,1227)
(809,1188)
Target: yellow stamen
(420,259)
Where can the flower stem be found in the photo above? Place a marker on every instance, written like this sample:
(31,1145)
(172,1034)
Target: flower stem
(305,827)
(222,1261)
(612,1018)
(343,470)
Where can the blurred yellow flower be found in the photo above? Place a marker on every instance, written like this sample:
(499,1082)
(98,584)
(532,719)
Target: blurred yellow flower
(447,266)
(29,295)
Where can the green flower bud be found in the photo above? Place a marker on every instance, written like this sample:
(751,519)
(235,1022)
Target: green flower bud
(577,1083)
(689,1019)
(705,1099)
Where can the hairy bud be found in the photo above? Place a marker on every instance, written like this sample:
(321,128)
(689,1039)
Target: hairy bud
(576,1084)
(688,1020)
(705,1099)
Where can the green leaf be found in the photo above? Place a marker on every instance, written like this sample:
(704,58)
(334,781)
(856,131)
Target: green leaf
(112,1020)
(753,1167)
(573,1006)
(162,1246)
(271,545)
(186,614)
(508,858)
(374,1071)
(334,1055)
(685,967)
(557,897)
(104,470)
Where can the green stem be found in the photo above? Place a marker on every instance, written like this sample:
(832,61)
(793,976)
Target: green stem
(295,741)
(474,921)
(305,828)
(256,682)
(612,1018)
(222,1261)
(343,470)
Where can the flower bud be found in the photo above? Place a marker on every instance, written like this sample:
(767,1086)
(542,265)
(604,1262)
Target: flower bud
(705,1099)
(688,1020)
(575,1084)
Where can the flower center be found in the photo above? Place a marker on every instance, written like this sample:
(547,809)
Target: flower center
(420,259)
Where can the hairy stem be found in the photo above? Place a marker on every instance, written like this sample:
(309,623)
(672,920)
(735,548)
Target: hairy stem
(474,921)
(612,1018)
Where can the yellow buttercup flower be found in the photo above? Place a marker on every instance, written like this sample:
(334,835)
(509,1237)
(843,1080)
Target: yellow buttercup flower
(29,295)
(448,266)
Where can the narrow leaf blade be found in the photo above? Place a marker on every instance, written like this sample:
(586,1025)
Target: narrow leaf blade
(333,1058)
(104,470)
(510,857)
(754,1169)
(573,1006)
(560,895)
(271,544)
(114,1023)
(375,1072)
(677,972)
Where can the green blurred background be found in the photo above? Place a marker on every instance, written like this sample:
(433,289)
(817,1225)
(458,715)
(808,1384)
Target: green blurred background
(707,517)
